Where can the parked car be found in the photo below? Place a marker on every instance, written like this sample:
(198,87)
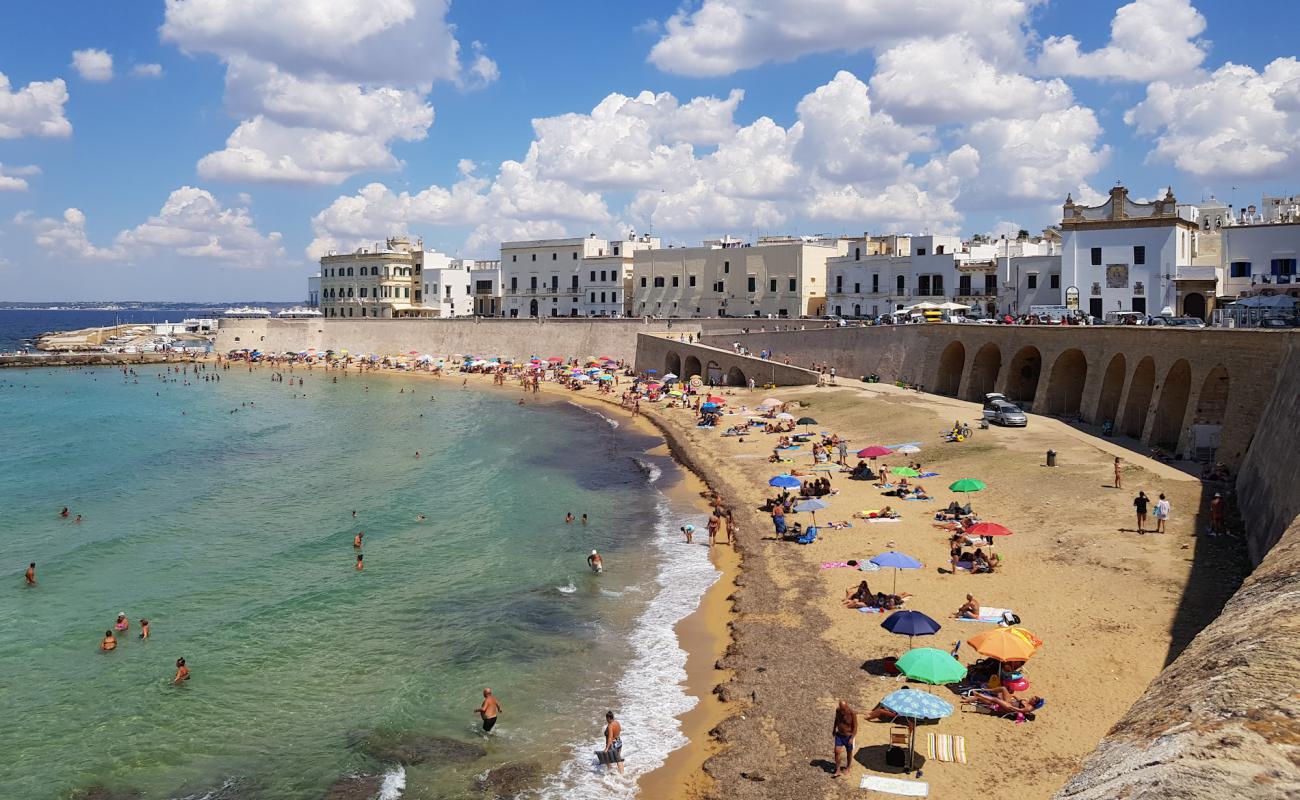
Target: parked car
(1178,322)
(998,410)
(1276,322)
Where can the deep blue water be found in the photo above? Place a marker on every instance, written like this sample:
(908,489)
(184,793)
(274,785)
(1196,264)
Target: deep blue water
(16,326)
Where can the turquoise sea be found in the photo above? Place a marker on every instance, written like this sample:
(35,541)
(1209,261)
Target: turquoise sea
(222,512)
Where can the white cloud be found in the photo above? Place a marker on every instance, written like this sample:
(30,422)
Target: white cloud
(191,224)
(1235,123)
(723,36)
(949,80)
(1038,158)
(93,65)
(34,110)
(323,88)
(1149,40)
(147,71)
(12,179)
(846,138)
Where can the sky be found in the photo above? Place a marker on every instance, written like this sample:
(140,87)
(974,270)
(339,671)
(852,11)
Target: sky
(213,150)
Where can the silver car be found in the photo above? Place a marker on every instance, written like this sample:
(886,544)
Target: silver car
(1000,411)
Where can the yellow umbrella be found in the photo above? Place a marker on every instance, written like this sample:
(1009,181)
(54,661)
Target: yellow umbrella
(1006,644)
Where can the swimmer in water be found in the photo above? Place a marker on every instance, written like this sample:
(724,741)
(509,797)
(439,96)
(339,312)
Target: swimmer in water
(420,518)
(568,518)
(584,519)
(144,629)
(360,566)
(77,520)
(356,540)
(108,644)
(595,562)
(123,624)
(30,574)
(489,710)
(417,453)
(182,671)
(64,512)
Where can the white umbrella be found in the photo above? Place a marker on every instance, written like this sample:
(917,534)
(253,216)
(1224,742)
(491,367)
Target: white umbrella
(950,306)
(923,306)
(669,376)
(907,449)
(784,415)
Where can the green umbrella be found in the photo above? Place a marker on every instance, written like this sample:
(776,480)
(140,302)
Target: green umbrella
(806,421)
(967,485)
(928,665)
(906,472)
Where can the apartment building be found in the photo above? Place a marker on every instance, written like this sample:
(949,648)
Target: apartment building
(383,281)
(776,277)
(485,281)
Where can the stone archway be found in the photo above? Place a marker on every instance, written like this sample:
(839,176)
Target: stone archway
(691,367)
(713,374)
(736,378)
(532,308)
(951,364)
(1140,390)
(1065,386)
(984,372)
(1194,305)
(1112,389)
(1022,380)
(672,364)
(1172,410)
(1212,405)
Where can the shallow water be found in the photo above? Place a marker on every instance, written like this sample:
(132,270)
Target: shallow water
(232,533)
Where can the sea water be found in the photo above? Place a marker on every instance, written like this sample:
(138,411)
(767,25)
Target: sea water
(222,512)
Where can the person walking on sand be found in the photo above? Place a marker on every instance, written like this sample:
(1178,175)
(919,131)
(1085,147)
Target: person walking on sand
(489,710)
(844,731)
(613,752)
(1117,471)
(1217,515)
(30,574)
(1140,504)
(778,519)
(714,522)
(1162,513)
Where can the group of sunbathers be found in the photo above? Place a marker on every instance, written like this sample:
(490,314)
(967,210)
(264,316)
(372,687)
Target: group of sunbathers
(861,596)
(887,512)
(817,487)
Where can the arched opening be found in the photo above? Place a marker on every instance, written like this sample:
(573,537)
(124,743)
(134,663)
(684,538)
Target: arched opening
(984,372)
(1211,407)
(1172,410)
(1194,305)
(713,374)
(1139,397)
(736,378)
(1112,389)
(672,364)
(532,308)
(951,364)
(691,368)
(1022,381)
(1065,386)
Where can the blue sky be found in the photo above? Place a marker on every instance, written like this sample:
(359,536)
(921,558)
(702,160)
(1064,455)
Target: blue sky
(232,141)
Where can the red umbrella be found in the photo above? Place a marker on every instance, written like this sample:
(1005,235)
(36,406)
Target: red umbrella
(715,399)
(988,529)
(555,359)
(874,451)
(604,358)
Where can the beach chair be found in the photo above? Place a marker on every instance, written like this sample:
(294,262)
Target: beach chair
(808,537)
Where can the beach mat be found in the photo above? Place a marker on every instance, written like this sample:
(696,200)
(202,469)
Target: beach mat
(947,747)
(898,786)
(869,610)
(988,614)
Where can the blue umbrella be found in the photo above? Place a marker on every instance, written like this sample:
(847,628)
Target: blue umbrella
(785,482)
(709,407)
(896,561)
(652,371)
(812,506)
(916,704)
(910,624)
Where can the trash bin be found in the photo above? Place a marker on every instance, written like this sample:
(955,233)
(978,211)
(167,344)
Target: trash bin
(1051,458)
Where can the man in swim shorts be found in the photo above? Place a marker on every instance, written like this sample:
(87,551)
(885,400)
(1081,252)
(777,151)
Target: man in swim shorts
(844,731)
(30,574)
(489,710)
(595,562)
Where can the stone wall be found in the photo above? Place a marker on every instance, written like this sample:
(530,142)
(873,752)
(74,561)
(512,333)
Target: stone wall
(1268,486)
(667,354)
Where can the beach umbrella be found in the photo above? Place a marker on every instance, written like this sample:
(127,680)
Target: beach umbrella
(783,415)
(770,402)
(928,665)
(812,506)
(908,449)
(708,407)
(906,472)
(910,624)
(785,482)
(652,371)
(555,360)
(967,485)
(913,705)
(874,451)
(806,421)
(669,377)
(604,377)
(715,400)
(988,529)
(1006,644)
(895,561)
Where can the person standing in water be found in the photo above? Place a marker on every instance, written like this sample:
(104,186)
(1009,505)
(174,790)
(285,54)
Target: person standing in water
(613,752)
(356,540)
(360,566)
(594,561)
(182,672)
(30,574)
(108,644)
(568,518)
(489,710)
(144,630)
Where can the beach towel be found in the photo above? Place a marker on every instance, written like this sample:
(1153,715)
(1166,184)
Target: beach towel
(869,610)
(884,519)
(919,499)
(947,747)
(988,614)
(834,565)
(879,783)
(928,475)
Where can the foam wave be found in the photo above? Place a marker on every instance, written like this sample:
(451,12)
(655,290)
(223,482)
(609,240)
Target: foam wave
(394,784)
(652,471)
(568,588)
(651,694)
(613,423)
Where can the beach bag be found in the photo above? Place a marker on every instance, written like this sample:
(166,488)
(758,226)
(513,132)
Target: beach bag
(1009,619)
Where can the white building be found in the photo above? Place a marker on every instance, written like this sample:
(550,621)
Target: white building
(542,277)
(448,290)
(1280,209)
(777,277)
(313,291)
(1126,256)
(485,280)
(606,281)
(878,275)
(1261,259)
(383,281)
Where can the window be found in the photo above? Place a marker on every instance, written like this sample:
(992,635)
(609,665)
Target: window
(514,258)
(1283,266)
(938,251)
(1032,280)
(1139,254)
(363,291)
(593,297)
(875,283)
(532,283)
(556,256)
(1239,269)
(349,291)
(857,254)
(857,288)
(1054,281)
(534,256)
(659,281)
(752,283)
(514,284)
(839,284)
(575,256)
(726,267)
(611,275)
(923,284)
(772,285)
(555,283)
(1096,256)
(1140,305)
(593,276)
(406,292)
(615,249)
(374,270)
(990,284)
(920,251)
(690,280)
(573,281)
(719,287)
(794,284)
(643,283)
(676,280)
(963,285)
(602,294)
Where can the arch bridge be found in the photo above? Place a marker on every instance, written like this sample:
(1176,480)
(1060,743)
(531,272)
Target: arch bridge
(719,366)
